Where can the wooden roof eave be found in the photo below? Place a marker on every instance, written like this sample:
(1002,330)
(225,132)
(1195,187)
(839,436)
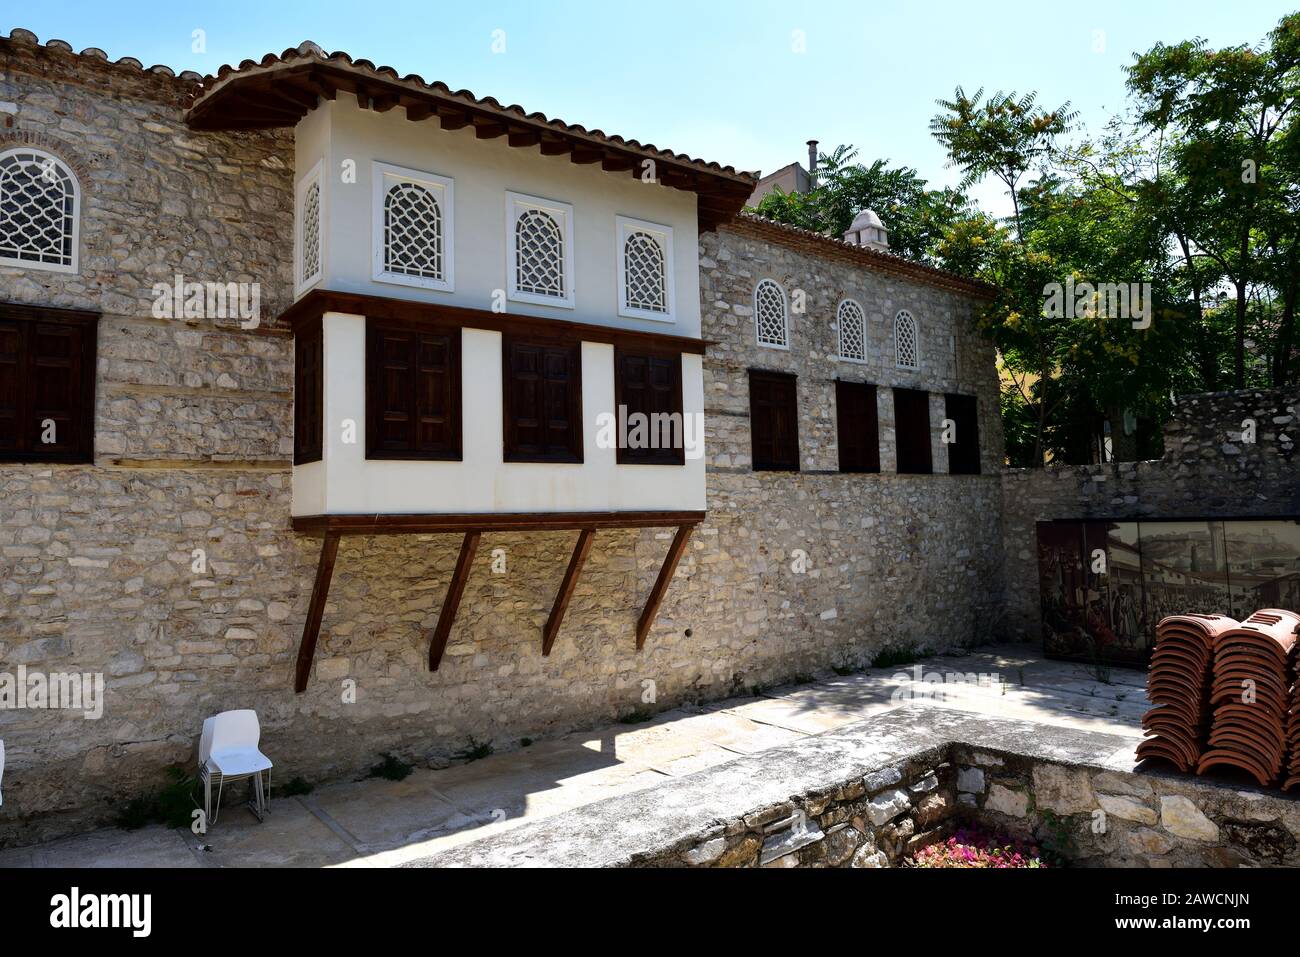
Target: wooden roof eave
(281,94)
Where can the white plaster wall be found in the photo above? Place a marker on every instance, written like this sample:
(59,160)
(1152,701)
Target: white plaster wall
(482,481)
(483,171)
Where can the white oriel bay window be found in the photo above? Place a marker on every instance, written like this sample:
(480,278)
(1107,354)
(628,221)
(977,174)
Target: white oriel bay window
(309,230)
(644,252)
(414,231)
(539,251)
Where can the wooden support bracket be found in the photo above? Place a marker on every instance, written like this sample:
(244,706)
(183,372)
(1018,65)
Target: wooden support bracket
(656,598)
(329,551)
(571,574)
(447,616)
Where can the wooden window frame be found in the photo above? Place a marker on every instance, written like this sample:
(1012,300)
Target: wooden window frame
(510,451)
(898,431)
(455,411)
(964,433)
(651,456)
(775,464)
(28,319)
(308,394)
(869,460)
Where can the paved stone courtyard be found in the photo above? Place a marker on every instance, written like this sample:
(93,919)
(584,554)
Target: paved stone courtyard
(377,823)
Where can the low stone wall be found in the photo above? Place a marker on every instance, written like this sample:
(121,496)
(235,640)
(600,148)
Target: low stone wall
(872,794)
(1207,471)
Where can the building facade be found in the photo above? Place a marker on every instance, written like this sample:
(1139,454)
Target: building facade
(307,373)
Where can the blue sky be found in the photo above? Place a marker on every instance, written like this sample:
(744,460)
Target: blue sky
(718,79)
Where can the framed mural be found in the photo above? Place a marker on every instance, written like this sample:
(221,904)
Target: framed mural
(1104,584)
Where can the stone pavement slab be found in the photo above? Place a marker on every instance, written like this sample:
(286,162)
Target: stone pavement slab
(376,823)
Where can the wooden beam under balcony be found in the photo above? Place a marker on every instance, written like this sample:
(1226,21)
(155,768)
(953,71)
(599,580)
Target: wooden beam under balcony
(579,558)
(329,551)
(426,524)
(657,593)
(451,604)
(472,526)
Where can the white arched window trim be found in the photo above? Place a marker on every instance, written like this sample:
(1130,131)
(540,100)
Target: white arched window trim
(75,264)
(767,339)
(625,228)
(903,318)
(386,177)
(517,204)
(849,355)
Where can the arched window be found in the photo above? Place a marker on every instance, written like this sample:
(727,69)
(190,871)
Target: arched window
(40,209)
(414,228)
(412,232)
(539,254)
(907,347)
(852,322)
(645,286)
(310,236)
(771,321)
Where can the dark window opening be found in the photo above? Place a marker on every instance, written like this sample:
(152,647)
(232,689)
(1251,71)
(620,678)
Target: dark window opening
(857,425)
(649,386)
(543,400)
(774,421)
(412,392)
(47,384)
(308,395)
(964,452)
(912,431)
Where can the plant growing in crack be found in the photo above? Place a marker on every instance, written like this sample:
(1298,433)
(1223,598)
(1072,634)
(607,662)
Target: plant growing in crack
(474,751)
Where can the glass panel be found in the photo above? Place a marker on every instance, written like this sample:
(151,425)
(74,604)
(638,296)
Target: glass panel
(1263,566)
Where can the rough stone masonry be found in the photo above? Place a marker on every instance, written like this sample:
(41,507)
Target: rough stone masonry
(169,564)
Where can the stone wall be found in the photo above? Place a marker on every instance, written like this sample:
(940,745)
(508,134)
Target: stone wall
(169,565)
(1207,471)
(873,793)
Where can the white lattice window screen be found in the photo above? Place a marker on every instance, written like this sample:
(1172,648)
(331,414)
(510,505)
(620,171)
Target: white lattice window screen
(645,272)
(770,318)
(311,255)
(905,341)
(539,254)
(852,321)
(413,232)
(38,210)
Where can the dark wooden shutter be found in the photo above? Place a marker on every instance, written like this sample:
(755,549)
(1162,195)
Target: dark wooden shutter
(308,395)
(47,384)
(413,402)
(912,431)
(774,420)
(542,393)
(858,426)
(11,386)
(964,454)
(651,385)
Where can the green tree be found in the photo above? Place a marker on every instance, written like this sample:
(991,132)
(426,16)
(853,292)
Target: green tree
(1229,114)
(916,217)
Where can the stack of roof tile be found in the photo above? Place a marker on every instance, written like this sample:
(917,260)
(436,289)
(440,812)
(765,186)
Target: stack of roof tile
(1178,684)
(1293,731)
(1251,695)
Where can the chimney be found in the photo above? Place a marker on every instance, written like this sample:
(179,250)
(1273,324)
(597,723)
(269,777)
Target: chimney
(812,159)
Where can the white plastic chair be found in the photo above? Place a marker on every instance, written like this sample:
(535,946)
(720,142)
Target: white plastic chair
(228,751)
